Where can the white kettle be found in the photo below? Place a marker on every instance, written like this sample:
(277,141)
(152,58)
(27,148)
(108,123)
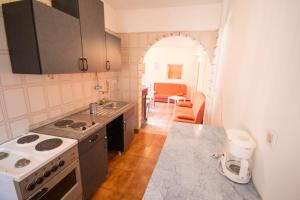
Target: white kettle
(235,162)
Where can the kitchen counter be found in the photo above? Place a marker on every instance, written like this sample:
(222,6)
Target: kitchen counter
(84,115)
(186,169)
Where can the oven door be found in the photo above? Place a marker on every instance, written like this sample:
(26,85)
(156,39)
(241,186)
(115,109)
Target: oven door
(65,186)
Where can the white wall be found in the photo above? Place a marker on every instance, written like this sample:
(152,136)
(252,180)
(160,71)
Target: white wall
(258,88)
(190,18)
(157,60)
(110,16)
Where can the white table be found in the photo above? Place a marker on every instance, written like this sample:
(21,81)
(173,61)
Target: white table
(176,99)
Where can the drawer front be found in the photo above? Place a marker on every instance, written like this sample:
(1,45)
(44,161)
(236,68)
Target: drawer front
(88,143)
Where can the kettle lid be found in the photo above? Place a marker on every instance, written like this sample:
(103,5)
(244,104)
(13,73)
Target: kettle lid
(240,138)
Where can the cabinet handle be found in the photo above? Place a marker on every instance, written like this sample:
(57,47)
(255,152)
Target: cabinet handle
(86,66)
(125,125)
(107,65)
(81,64)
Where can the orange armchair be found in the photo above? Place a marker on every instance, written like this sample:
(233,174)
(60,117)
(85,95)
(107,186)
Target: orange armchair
(190,113)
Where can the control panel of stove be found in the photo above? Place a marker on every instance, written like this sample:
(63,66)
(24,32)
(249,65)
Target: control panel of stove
(36,180)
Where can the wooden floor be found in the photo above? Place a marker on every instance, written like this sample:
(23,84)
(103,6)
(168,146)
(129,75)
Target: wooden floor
(130,172)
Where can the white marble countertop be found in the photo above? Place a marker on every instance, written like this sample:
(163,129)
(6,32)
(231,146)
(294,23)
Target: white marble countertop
(186,170)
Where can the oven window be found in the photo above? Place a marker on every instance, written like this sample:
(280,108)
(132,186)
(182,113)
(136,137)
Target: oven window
(60,189)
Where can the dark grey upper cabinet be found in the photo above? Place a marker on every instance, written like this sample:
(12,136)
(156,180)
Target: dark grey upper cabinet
(91,15)
(66,38)
(42,39)
(113,53)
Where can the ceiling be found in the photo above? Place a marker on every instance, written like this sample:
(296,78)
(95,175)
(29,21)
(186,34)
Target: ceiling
(143,4)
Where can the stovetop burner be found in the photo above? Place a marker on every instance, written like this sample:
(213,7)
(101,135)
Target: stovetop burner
(3,155)
(78,125)
(22,163)
(48,144)
(63,123)
(27,139)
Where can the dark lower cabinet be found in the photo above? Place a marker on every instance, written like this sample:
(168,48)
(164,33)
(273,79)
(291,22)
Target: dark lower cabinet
(128,124)
(93,162)
(41,39)
(120,132)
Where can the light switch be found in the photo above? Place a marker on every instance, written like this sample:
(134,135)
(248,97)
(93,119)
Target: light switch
(271,138)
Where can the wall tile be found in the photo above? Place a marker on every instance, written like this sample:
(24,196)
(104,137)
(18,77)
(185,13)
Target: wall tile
(39,118)
(15,102)
(6,75)
(67,94)
(3,43)
(53,94)
(55,113)
(33,78)
(19,127)
(3,134)
(1,113)
(88,88)
(36,98)
(77,91)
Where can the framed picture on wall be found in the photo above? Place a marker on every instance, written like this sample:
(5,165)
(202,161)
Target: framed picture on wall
(174,71)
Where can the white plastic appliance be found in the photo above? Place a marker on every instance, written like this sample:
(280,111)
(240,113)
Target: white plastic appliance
(235,162)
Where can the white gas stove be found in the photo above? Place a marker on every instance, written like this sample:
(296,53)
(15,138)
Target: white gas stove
(29,162)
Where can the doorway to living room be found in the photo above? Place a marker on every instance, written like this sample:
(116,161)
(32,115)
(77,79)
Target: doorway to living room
(175,69)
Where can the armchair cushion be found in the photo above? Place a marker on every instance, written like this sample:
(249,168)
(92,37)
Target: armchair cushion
(185,104)
(185,116)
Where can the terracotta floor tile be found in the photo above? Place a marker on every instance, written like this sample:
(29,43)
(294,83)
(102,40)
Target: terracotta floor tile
(130,172)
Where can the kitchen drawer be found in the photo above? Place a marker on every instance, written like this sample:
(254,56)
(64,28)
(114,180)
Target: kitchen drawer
(87,143)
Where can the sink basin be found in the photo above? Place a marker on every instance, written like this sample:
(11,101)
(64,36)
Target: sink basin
(114,105)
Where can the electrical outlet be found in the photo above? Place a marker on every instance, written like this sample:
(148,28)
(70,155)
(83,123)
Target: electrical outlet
(271,138)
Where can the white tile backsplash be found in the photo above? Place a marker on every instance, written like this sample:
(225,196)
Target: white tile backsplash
(54,113)
(67,94)
(3,134)
(6,75)
(19,127)
(77,91)
(36,98)
(15,102)
(54,97)
(3,43)
(39,118)
(1,113)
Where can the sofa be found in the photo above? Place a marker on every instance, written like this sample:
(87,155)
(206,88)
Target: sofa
(190,112)
(163,90)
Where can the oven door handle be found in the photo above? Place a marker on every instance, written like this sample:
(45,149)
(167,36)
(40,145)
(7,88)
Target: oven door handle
(40,194)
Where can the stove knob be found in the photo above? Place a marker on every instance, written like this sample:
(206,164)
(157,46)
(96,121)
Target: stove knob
(47,173)
(83,128)
(54,168)
(61,163)
(39,180)
(30,186)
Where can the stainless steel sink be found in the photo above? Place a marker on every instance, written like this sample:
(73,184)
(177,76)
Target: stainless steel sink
(114,105)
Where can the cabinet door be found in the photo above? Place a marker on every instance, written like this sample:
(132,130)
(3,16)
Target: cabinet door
(58,38)
(128,128)
(93,162)
(91,14)
(113,53)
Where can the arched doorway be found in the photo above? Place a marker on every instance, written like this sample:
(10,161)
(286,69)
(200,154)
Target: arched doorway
(185,54)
